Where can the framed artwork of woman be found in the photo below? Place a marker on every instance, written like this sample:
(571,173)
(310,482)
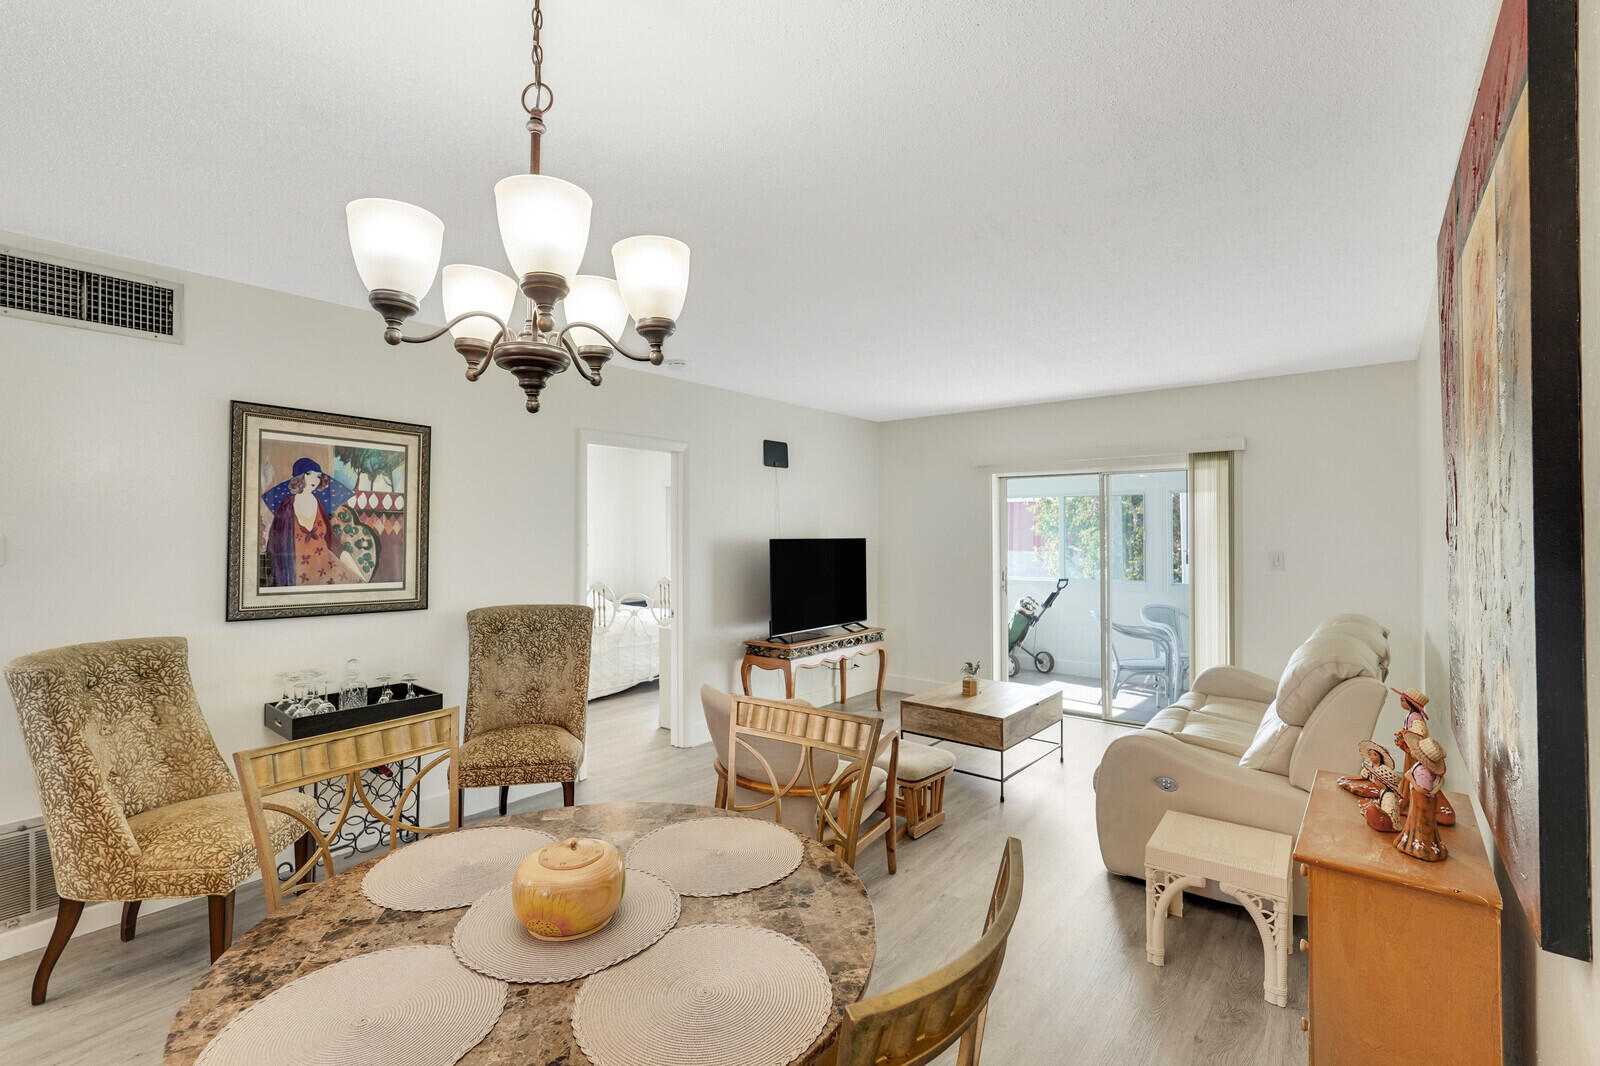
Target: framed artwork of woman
(327,514)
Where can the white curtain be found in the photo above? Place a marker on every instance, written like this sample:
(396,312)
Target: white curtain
(1211,555)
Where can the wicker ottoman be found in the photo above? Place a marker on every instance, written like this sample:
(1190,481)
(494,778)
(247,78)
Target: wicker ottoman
(921,774)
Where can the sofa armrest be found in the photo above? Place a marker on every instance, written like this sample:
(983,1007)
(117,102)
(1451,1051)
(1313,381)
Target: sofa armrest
(1235,682)
(1345,716)
(1129,804)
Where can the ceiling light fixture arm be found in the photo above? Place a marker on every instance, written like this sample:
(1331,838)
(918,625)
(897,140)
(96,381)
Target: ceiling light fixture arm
(654,357)
(394,336)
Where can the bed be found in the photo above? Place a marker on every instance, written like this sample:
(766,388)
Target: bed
(625,649)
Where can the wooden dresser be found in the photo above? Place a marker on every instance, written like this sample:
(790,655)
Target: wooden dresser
(1396,944)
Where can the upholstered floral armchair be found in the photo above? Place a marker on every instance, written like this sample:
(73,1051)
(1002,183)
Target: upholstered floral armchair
(527,697)
(137,801)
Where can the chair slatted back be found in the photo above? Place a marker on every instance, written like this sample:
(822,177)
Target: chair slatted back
(266,772)
(853,737)
(914,1023)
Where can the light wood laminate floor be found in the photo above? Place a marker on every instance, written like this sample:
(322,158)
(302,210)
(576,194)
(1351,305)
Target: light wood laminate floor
(1075,988)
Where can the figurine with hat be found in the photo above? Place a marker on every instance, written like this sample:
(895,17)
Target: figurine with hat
(1415,729)
(1377,767)
(1423,789)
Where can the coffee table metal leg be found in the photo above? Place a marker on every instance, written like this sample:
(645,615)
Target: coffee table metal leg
(1002,775)
(1061,739)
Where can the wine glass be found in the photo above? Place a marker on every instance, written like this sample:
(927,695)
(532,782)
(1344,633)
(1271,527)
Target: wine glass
(387,694)
(319,701)
(284,703)
(297,690)
(411,686)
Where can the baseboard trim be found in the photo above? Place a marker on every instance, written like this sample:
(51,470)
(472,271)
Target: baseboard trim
(900,683)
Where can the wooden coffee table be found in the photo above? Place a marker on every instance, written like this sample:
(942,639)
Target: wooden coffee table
(1002,715)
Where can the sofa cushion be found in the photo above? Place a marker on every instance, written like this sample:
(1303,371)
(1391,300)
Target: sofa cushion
(1315,668)
(1272,746)
(1370,635)
(1219,723)
(1359,619)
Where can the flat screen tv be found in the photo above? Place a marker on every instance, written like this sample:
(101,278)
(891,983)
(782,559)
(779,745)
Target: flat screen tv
(817,583)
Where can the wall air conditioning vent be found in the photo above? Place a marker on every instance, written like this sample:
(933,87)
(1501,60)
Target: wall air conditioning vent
(54,290)
(27,879)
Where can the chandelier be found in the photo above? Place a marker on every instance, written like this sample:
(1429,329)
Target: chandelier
(544,225)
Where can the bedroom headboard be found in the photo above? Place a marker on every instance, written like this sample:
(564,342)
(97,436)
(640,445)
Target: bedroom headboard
(603,603)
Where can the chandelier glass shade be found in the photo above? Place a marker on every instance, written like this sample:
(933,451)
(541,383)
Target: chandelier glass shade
(598,300)
(396,245)
(544,226)
(467,289)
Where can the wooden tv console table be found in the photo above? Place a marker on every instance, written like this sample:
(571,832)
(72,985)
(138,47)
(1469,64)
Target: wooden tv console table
(806,654)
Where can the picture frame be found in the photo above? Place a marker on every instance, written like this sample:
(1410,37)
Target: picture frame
(1510,365)
(327,513)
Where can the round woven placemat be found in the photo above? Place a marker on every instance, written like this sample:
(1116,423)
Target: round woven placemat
(491,940)
(706,995)
(718,856)
(416,1005)
(451,869)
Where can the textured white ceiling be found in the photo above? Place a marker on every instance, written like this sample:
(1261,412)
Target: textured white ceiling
(896,209)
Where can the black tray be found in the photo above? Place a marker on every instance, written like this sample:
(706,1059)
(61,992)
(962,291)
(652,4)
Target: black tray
(314,725)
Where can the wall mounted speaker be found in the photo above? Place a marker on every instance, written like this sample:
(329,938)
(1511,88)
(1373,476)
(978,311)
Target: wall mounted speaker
(775,453)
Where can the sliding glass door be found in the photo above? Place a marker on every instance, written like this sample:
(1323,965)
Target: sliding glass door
(1094,588)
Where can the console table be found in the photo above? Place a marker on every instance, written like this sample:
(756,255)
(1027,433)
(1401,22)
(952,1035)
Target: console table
(1376,915)
(806,654)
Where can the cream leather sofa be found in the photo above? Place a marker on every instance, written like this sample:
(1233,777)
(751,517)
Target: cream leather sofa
(1242,747)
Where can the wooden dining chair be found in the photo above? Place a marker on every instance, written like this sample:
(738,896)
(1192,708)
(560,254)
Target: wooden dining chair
(914,1023)
(270,771)
(792,751)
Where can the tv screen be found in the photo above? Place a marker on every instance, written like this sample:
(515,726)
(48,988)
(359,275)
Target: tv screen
(817,583)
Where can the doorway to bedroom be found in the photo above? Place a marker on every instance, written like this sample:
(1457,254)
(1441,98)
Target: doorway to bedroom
(630,567)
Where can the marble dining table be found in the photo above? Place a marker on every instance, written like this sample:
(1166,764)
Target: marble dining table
(822,904)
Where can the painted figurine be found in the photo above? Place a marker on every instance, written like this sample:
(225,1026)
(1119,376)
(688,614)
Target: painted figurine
(1424,788)
(1416,722)
(1387,812)
(1366,784)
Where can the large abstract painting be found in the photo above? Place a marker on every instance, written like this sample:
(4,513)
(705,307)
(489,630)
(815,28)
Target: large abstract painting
(328,514)
(1509,356)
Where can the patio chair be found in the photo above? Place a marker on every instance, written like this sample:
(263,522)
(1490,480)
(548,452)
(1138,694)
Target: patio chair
(1167,616)
(1126,669)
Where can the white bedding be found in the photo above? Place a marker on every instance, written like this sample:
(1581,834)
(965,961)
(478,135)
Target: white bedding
(625,653)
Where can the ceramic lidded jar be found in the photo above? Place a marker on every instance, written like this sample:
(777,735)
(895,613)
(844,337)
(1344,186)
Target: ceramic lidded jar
(568,890)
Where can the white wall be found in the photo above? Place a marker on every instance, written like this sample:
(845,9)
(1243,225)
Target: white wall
(1328,477)
(627,528)
(114,495)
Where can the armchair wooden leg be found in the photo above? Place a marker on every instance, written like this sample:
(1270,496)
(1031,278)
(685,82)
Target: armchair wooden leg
(889,837)
(461,802)
(569,793)
(220,912)
(67,916)
(505,791)
(130,919)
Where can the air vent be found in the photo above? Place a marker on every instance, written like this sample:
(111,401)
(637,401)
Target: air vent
(53,290)
(27,879)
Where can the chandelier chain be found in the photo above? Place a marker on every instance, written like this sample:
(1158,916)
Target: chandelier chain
(543,96)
